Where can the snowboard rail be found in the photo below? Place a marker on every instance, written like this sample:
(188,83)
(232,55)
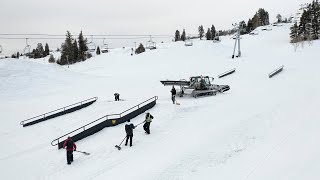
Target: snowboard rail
(58,112)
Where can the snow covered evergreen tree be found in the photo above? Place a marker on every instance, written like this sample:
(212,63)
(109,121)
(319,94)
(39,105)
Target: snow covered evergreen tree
(201,32)
(208,34)
(67,54)
(294,36)
(140,49)
(46,50)
(83,48)
(39,51)
(177,36)
(213,32)
(183,35)
(279,18)
(98,52)
(75,50)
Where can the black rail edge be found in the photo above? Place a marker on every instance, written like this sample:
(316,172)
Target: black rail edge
(227,73)
(58,112)
(275,72)
(106,121)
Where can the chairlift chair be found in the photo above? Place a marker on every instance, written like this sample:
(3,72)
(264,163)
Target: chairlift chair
(27,49)
(91,45)
(151,44)
(104,47)
(188,42)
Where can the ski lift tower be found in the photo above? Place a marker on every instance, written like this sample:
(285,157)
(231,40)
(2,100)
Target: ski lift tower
(237,39)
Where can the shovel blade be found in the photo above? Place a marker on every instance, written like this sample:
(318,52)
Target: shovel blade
(119,148)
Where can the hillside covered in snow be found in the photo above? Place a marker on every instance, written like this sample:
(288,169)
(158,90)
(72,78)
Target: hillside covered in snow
(262,128)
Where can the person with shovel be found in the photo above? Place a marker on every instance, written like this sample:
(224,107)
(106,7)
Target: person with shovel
(147,122)
(129,130)
(70,146)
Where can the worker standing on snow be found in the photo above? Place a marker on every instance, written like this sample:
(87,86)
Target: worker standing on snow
(129,130)
(116,96)
(70,146)
(173,94)
(148,120)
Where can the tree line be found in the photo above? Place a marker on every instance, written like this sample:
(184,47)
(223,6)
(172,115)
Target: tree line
(309,26)
(261,18)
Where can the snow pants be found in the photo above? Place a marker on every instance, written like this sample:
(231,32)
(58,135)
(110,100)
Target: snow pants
(173,98)
(69,157)
(129,137)
(146,127)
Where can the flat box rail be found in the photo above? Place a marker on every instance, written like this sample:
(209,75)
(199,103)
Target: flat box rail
(227,73)
(105,121)
(58,112)
(275,72)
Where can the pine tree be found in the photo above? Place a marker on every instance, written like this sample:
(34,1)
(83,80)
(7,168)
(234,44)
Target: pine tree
(177,36)
(279,18)
(243,28)
(18,55)
(51,59)
(249,26)
(213,32)
(67,54)
(39,51)
(261,18)
(208,34)
(201,32)
(315,16)
(83,48)
(46,50)
(294,33)
(75,51)
(98,51)
(140,49)
(183,35)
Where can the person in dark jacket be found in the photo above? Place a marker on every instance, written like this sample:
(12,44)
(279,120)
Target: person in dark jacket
(173,94)
(129,130)
(116,96)
(147,123)
(70,146)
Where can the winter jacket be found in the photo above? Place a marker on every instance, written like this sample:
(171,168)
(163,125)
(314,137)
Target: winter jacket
(173,91)
(129,129)
(69,145)
(149,117)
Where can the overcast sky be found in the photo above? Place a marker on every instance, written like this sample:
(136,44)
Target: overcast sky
(131,16)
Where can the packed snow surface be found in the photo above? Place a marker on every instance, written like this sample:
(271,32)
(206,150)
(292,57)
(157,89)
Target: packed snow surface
(261,129)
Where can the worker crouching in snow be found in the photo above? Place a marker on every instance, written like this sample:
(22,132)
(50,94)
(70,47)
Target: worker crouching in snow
(148,120)
(70,146)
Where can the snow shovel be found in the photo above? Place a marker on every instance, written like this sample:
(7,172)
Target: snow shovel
(118,146)
(139,124)
(86,153)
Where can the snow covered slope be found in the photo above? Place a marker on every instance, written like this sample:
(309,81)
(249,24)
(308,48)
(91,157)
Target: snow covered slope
(261,129)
